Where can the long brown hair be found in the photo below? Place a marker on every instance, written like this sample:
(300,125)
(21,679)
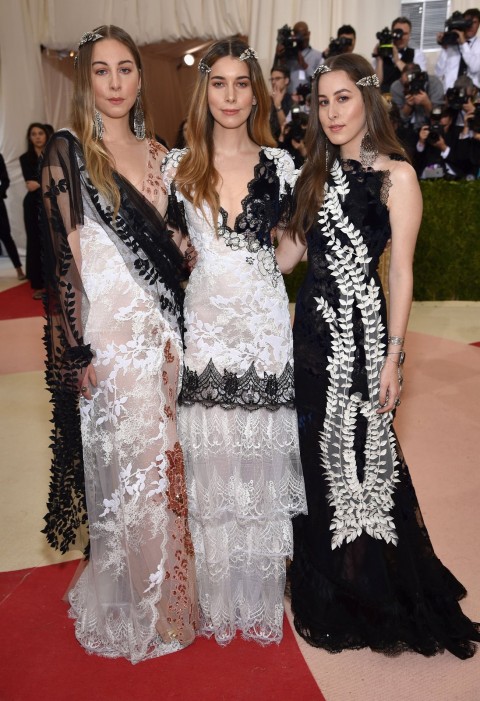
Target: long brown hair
(309,190)
(98,159)
(197,176)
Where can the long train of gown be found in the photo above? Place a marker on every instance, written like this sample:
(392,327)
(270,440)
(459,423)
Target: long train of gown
(364,571)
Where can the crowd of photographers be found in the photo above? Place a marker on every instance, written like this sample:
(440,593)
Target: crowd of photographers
(437,117)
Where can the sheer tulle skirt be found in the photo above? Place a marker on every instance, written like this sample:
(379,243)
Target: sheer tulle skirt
(244,484)
(136,598)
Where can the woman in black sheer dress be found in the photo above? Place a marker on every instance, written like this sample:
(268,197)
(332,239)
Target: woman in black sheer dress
(29,161)
(364,572)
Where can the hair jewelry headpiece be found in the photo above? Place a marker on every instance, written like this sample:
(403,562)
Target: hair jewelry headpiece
(87,38)
(322,68)
(248,53)
(203,68)
(370,81)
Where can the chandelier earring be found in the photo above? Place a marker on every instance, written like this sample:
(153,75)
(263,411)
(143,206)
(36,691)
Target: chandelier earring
(139,118)
(97,126)
(368,151)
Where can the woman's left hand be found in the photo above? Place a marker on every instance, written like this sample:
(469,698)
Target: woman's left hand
(390,387)
(191,256)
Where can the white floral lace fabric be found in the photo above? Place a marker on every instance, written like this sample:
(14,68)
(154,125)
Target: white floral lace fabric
(243,468)
(136,598)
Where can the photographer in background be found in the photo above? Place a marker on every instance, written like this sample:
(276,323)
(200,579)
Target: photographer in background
(392,53)
(295,53)
(343,44)
(292,138)
(470,137)
(440,150)
(416,93)
(282,101)
(461,98)
(460,54)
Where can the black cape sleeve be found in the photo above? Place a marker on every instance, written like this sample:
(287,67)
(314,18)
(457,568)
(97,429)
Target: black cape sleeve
(67,354)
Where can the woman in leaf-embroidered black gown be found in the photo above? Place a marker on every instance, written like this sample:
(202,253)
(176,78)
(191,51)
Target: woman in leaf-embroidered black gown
(113,335)
(364,571)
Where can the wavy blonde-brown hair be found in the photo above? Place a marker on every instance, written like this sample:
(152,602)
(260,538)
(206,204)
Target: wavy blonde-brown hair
(197,177)
(309,189)
(98,159)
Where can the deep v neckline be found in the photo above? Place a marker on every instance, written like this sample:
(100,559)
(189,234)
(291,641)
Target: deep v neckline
(141,185)
(223,212)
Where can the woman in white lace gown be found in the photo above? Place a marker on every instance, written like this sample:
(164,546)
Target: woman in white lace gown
(114,313)
(237,422)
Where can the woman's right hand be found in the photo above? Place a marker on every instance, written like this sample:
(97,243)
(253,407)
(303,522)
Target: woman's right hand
(32,185)
(88,380)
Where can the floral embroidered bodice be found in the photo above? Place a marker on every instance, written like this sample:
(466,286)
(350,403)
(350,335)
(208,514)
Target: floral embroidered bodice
(238,338)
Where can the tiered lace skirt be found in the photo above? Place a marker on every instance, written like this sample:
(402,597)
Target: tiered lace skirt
(244,484)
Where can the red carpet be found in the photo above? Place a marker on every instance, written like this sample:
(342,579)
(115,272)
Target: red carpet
(17,303)
(41,660)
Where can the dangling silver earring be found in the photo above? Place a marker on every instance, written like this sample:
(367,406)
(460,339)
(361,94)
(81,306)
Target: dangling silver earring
(368,152)
(97,126)
(139,119)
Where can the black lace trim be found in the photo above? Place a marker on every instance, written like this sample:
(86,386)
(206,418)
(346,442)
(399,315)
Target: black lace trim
(230,391)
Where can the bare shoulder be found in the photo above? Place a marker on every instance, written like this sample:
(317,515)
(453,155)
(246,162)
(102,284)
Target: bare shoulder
(402,173)
(405,196)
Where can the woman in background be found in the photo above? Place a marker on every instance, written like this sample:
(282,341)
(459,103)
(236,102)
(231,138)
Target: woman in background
(114,337)
(29,161)
(5,232)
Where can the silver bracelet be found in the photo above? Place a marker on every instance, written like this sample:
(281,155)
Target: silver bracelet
(396,340)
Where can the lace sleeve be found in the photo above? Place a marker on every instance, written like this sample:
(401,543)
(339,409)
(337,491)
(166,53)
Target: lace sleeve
(67,355)
(176,208)
(287,175)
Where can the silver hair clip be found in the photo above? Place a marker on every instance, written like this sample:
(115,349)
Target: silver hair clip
(248,53)
(203,68)
(322,68)
(370,81)
(89,37)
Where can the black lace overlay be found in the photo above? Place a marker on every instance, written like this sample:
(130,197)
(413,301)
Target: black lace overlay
(176,211)
(139,232)
(366,592)
(263,208)
(230,391)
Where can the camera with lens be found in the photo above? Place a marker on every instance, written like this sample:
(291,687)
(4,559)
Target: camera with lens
(456,98)
(298,124)
(416,83)
(339,46)
(292,43)
(474,120)
(436,129)
(385,41)
(456,22)
(303,90)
